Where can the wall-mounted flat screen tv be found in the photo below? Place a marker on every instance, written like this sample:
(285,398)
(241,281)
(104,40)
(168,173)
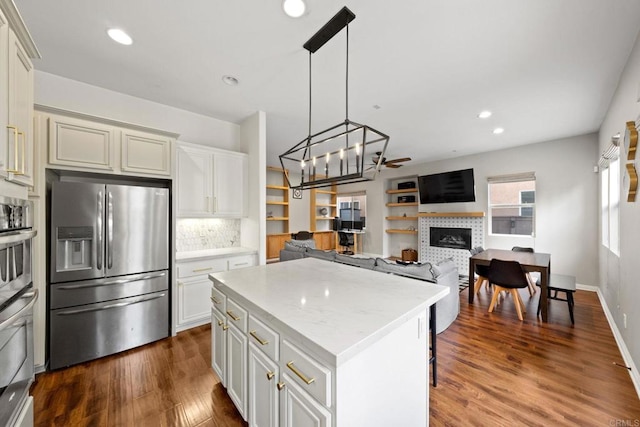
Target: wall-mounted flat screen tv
(447,187)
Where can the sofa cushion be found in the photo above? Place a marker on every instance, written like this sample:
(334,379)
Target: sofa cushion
(299,245)
(442,267)
(419,271)
(368,263)
(320,254)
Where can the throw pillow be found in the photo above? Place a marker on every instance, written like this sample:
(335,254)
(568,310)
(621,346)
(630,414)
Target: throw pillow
(320,254)
(442,267)
(419,271)
(289,246)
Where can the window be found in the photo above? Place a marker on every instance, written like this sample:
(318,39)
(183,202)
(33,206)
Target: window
(610,205)
(352,210)
(512,204)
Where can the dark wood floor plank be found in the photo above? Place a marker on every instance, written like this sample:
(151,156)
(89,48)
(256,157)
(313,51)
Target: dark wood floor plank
(492,370)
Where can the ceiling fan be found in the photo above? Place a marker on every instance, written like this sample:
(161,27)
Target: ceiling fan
(393,163)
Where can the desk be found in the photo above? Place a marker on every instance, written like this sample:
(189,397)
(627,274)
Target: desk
(535,261)
(355,233)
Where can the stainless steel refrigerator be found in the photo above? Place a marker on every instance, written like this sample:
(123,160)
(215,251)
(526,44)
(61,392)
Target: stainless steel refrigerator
(109,260)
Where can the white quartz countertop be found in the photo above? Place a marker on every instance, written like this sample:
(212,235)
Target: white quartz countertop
(213,253)
(341,309)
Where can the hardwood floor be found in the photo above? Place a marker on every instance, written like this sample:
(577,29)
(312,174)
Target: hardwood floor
(492,370)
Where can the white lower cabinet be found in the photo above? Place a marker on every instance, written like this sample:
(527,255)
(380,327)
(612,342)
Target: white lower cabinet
(194,286)
(263,397)
(299,409)
(237,368)
(271,381)
(219,345)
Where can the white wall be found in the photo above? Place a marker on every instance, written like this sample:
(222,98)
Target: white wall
(56,91)
(618,275)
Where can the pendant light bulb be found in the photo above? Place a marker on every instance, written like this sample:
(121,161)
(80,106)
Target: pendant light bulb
(294,8)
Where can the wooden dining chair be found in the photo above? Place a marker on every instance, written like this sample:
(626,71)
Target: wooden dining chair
(507,276)
(530,279)
(482,271)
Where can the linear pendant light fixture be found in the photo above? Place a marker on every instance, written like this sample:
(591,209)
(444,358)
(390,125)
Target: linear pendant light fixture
(337,155)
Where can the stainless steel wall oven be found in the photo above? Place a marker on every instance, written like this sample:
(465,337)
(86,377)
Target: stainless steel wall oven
(17,297)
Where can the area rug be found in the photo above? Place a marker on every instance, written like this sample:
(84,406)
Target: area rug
(463,282)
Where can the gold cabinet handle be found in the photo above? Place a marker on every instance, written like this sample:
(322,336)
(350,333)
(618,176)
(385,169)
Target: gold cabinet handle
(280,385)
(270,375)
(15,150)
(232,315)
(199,270)
(220,322)
(260,340)
(180,283)
(23,153)
(225,327)
(214,300)
(300,375)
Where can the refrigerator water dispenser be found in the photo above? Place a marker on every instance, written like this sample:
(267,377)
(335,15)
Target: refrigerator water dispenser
(74,248)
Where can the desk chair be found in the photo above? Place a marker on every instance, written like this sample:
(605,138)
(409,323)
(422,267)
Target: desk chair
(508,276)
(532,281)
(302,235)
(346,241)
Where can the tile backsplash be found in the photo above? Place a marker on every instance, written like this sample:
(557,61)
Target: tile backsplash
(207,233)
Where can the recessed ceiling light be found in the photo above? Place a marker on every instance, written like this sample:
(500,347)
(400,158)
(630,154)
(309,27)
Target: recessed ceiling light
(294,8)
(498,131)
(230,80)
(484,114)
(120,36)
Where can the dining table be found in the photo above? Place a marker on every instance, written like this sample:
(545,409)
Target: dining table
(530,261)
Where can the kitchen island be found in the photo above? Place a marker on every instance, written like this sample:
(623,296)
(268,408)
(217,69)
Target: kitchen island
(311,342)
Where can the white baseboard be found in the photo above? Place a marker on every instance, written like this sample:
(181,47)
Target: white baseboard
(626,356)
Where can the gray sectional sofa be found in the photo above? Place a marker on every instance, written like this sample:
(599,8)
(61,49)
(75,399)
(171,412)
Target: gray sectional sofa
(443,273)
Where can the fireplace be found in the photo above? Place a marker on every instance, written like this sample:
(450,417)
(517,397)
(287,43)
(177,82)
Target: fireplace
(447,237)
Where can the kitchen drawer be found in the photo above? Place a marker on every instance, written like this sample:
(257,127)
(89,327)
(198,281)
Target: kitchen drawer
(265,338)
(204,266)
(312,376)
(219,300)
(236,315)
(242,262)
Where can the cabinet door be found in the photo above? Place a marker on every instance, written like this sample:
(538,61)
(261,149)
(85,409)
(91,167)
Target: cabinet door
(193,301)
(275,243)
(6,136)
(194,182)
(20,113)
(81,143)
(219,345)
(298,409)
(263,393)
(237,369)
(146,153)
(229,184)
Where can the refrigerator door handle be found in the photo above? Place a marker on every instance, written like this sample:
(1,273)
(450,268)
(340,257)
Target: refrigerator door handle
(109,230)
(110,282)
(99,243)
(110,306)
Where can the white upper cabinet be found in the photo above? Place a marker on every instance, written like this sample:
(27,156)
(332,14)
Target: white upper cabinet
(146,153)
(211,183)
(194,182)
(16,97)
(229,184)
(81,142)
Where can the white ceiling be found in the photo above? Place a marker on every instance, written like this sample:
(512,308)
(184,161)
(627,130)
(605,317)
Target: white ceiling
(546,68)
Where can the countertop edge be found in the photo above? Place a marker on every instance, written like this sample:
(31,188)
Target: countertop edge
(213,253)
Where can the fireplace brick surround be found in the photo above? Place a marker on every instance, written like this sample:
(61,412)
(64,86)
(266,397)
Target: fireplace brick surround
(469,220)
